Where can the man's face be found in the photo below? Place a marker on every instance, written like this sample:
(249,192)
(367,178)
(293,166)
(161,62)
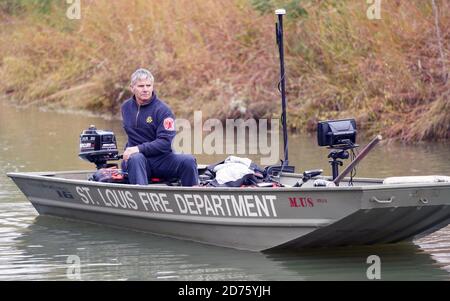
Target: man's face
(142,90)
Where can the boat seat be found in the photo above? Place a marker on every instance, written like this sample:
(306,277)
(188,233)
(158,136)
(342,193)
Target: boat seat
(417,179)
(169,182)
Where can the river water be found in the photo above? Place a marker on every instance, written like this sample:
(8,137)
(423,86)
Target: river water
(36,247)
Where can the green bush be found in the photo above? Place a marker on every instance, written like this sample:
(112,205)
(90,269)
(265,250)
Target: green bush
(16,7)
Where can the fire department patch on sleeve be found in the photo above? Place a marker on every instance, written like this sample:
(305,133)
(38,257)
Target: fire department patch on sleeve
(169,124)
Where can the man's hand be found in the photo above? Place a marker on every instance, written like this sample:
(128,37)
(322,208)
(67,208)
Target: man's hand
(130,151)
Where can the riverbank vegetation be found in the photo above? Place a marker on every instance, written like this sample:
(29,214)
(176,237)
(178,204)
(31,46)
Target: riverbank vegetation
(220,57)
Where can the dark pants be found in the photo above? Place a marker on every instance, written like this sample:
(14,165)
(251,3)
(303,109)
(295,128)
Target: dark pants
(140,169)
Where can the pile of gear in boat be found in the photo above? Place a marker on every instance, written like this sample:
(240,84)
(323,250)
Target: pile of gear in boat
(235,172)
(231,172)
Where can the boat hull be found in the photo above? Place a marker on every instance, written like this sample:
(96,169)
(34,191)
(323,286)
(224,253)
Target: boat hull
(254,219)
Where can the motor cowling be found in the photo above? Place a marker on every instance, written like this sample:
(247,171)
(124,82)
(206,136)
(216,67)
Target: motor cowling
(98,147)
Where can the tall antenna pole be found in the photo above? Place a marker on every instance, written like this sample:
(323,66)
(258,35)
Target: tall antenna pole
(282,85)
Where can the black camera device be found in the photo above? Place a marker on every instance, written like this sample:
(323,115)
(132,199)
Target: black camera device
(339,136)
(336,132)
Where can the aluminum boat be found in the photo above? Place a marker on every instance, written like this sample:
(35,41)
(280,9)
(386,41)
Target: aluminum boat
(371,211)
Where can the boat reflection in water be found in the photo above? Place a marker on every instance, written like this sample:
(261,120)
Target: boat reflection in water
(113,254)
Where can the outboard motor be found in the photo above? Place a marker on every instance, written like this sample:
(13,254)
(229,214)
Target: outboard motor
(99,147)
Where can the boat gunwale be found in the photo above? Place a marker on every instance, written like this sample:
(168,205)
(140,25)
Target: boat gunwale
(376,184)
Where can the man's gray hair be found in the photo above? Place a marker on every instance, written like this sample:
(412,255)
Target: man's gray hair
(141,74)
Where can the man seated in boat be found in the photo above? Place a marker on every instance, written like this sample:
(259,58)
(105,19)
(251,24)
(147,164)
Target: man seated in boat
(150,126)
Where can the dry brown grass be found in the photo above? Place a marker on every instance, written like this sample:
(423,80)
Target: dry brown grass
(387,73)
(220,57)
